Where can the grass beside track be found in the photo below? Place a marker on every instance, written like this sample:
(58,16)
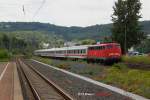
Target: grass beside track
(119,75)
(136,59)
(132,80)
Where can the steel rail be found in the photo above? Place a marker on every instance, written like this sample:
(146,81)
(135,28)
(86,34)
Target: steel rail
(55,86)
(35,93)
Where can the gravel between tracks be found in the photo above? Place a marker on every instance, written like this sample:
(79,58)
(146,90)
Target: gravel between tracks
(77,88)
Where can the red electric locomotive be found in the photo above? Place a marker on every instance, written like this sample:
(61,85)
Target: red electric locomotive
(104,52)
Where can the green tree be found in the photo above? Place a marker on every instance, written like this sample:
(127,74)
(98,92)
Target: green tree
(126,28)
(5,41)
(144,47)
(88,42)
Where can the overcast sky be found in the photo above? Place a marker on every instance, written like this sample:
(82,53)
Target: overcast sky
(63,12)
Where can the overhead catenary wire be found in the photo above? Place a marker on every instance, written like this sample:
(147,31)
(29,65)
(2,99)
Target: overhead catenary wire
(23,8)
(41,6)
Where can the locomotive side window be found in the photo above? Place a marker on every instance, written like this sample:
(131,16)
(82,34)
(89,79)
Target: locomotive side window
(97,48)
(91,48)
(109,46)
(118,46)
(103,47)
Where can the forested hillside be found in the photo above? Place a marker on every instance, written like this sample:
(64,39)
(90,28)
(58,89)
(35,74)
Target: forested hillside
(68,33)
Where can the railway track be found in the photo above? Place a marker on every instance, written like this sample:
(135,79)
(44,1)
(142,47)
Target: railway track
(40,86)
(78,88)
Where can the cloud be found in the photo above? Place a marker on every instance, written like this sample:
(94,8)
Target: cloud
(63,12)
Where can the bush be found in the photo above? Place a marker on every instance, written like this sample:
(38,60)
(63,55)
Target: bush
(4,54)
(63,66)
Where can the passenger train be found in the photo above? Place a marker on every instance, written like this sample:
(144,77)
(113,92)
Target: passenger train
(100,52)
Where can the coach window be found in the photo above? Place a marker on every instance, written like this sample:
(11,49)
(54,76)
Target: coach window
(70,51)
(81,51)
(76,51)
